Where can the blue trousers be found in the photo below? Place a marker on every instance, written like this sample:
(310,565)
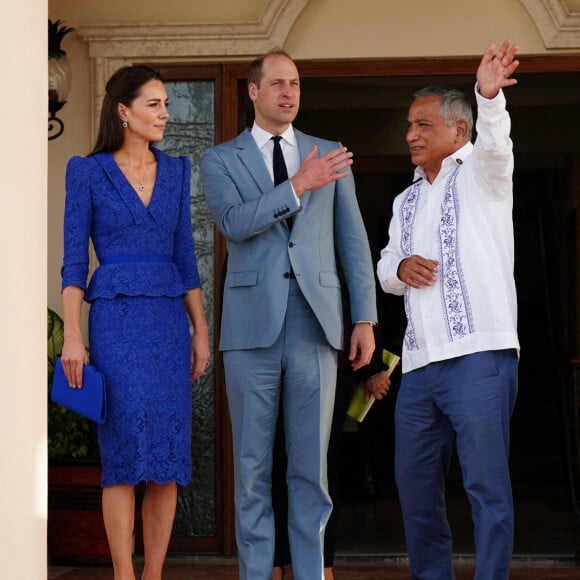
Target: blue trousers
(300,371)
(467,400)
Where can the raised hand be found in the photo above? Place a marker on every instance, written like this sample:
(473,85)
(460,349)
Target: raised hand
(317,172)
(495,70)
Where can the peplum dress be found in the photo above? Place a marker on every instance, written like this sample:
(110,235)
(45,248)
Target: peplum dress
(139,334)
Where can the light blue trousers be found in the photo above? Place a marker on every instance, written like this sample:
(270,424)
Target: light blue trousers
(300,368)
(468,400)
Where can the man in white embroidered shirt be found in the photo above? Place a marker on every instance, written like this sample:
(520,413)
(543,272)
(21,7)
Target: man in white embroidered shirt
(450,253)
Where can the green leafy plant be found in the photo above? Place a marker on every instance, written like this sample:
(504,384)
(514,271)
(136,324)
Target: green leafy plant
(70,436)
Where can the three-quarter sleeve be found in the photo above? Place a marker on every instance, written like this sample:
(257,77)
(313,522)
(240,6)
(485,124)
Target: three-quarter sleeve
(77,223)
(184,247)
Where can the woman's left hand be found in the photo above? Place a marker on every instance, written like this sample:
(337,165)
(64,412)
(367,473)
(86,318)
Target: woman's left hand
(199,355)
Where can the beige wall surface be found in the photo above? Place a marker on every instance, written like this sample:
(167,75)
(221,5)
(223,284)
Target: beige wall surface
(23,441)
(130,12)
(393,28)
(319,29)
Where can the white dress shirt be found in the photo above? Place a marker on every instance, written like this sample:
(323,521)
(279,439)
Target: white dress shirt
(289,147)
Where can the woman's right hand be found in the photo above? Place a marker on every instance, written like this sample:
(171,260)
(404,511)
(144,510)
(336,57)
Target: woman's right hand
(74,357)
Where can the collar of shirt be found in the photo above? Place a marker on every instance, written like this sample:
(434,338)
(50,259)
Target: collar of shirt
(455,159)
(288,144)
(262,137)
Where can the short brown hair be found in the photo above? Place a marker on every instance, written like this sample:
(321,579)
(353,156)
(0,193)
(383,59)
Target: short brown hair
(255,70)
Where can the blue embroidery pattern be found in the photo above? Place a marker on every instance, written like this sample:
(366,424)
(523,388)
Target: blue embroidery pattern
(407,218)
(454,296)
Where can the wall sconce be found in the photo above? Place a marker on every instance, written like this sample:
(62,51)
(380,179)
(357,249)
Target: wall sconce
(59,76)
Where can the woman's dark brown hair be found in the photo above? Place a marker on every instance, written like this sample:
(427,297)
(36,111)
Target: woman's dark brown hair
(123,87)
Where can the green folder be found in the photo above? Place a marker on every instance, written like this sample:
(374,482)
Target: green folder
(357,408)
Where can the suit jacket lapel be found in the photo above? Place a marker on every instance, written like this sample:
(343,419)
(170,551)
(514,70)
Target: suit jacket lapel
(251,157)
(120,183)
(305,144)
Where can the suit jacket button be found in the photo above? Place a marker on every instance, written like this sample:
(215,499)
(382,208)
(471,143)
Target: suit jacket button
(291,244)
(287,274)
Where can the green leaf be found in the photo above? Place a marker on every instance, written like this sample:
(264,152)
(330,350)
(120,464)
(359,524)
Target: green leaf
(55,340)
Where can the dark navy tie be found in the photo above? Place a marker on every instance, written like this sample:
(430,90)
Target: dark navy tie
(280,171)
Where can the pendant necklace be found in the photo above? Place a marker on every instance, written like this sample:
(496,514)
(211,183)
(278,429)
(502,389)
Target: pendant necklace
(141,185)
(140,182)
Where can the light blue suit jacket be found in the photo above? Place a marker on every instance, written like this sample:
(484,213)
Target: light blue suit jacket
(251,213)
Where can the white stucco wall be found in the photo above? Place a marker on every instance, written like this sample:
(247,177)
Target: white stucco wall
(23,294)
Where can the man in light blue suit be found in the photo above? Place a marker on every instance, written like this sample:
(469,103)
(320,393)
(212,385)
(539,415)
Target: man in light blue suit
(282,313)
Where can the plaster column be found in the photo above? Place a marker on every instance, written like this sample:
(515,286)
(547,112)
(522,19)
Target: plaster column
(23,192)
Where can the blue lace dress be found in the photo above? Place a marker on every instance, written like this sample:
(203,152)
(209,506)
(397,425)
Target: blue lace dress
(138,327)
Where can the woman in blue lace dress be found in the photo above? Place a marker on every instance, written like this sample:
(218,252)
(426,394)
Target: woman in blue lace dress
(133,202)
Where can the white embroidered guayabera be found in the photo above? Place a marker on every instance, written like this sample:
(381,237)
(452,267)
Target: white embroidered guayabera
(454,295)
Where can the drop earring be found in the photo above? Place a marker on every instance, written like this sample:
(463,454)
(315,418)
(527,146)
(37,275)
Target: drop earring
(125,124)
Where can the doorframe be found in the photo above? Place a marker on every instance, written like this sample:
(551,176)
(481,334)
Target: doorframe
(228,77)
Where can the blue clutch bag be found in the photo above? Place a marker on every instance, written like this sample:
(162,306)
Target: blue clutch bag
(89,401)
